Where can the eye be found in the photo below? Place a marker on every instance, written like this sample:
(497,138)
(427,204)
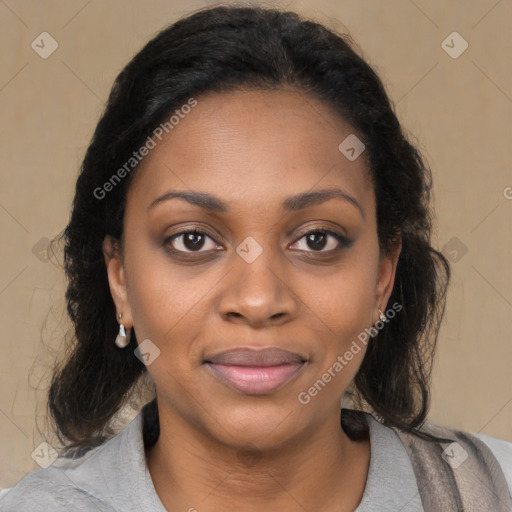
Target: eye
(318,239)
(191,241)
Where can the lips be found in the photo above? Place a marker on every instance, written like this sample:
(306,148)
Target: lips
(255,371)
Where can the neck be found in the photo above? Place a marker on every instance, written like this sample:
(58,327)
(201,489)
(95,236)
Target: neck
(316,470)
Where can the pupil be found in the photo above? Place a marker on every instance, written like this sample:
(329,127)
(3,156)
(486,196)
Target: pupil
(192,239)
(313,236)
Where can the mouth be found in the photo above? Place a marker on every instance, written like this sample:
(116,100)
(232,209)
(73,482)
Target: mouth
(255,371)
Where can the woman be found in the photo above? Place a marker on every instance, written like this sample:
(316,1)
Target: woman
(251,232)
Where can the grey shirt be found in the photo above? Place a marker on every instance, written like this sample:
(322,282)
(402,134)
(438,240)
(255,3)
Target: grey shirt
(115,477)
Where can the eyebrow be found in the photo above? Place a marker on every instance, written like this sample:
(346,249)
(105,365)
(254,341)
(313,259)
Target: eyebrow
(290,204)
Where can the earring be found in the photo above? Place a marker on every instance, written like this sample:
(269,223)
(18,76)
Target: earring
(382,316)
(123,338)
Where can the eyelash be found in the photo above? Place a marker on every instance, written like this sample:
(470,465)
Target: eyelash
(344,242)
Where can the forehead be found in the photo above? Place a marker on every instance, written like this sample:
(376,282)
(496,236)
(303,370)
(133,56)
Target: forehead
(253,148)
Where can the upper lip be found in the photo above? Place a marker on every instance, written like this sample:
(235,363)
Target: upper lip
(243,356)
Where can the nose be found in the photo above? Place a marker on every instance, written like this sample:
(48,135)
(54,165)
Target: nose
(257,293)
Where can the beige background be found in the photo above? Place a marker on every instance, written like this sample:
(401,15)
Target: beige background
(460,111)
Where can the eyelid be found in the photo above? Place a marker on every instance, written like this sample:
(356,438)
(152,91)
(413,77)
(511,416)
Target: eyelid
(323,227)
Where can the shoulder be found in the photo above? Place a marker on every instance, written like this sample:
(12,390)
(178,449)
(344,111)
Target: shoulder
(471,461)
(93,482)
(47,490)
(495,453)
(502,450)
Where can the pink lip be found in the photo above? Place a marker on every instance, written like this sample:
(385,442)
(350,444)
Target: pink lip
(255,372)
(255,380)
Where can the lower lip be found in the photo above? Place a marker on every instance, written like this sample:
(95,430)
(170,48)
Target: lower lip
(255,380)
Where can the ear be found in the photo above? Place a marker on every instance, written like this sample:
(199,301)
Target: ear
(386,278)
(117,279)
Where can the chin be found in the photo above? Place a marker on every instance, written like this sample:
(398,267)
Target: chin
(266,426)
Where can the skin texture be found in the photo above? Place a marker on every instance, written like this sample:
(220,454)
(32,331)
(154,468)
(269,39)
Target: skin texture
(219,448)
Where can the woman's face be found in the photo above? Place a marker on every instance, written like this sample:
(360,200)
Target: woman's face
(256,280)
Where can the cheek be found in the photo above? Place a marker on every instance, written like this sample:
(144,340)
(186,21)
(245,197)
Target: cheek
(342,301)
(164,296)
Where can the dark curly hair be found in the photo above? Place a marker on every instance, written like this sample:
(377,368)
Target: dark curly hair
(224,49)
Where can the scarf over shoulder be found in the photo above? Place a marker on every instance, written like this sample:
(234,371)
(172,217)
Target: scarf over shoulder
(461,474)
(455,471)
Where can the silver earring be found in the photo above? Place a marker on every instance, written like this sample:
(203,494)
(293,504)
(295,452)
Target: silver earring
(382,316)
(123,338)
